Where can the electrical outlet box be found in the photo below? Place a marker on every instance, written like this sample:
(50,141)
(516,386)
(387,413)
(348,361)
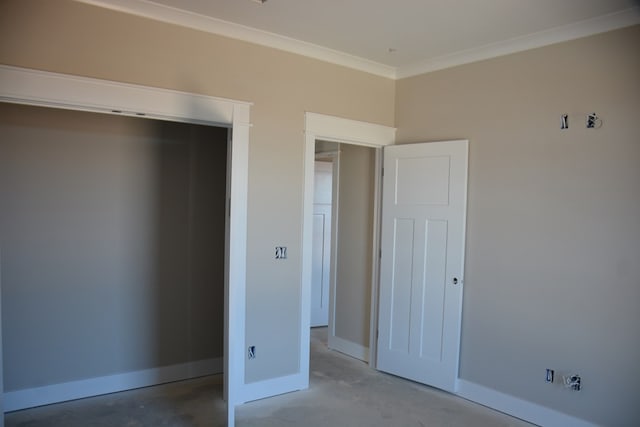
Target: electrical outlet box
(550,374)
(593,121)
(281,252)
(572,382)
(575,382)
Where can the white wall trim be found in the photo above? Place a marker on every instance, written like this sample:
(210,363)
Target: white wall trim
(33,87)
(335,232)
(235,286)
(208,24)
(338,129)
(560,34)
(375,265)
(349,348)
(516,407)
(38,396)
(274,387)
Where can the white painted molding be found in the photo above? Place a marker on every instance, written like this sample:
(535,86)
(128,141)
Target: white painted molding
(375,265)
(273,387)
(519,408)
(34,87)
(208,24)
(38,396)
(560,34)
(235,286)
(338,129)
(349,348)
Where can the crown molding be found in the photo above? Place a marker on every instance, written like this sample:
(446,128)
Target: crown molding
(158,12)
(220,27)
(560,34)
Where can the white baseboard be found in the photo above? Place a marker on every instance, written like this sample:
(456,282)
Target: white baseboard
(273,387)
(349,348)
(55,393)
(519,408)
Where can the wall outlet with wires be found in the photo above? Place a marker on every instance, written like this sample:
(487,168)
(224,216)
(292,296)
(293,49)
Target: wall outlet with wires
(550,375)
(573,382)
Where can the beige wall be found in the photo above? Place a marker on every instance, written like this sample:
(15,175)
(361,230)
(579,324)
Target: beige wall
(112,244)
(74,38)
(553,237)
(553,234)
(354,244)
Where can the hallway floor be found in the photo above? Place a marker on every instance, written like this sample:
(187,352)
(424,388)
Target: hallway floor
(343,392)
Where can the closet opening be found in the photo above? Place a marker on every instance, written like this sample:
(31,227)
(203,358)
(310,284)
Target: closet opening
(112,252)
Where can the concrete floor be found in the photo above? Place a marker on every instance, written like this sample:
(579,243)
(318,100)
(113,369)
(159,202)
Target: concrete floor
(343,392)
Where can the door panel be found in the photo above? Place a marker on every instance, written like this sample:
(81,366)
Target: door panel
(321,244)
(320,267)
(401,284)
(432,170)
(423,220)
(432,291)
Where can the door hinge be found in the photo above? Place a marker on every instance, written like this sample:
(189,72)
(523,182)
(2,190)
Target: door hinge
(380,254)
(382,171)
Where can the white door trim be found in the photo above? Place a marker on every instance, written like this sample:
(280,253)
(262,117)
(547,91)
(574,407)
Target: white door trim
(336,129)
(334,342)
(33,87)
(375,266)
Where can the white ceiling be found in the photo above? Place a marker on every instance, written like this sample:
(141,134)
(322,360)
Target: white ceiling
(423,35)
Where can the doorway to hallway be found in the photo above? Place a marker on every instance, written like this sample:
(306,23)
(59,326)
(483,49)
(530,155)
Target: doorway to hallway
(343,254)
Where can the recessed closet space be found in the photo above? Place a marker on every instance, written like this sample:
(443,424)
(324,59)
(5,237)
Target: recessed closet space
(112,251)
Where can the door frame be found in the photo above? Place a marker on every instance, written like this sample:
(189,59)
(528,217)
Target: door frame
(42,88)
(366,354)
(345,131)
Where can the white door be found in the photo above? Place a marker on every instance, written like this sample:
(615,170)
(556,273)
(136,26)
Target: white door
(421,270)
(321,250)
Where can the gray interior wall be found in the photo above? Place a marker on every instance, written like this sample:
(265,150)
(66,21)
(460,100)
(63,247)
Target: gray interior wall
(354,243)
(112,244)
(553,224)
